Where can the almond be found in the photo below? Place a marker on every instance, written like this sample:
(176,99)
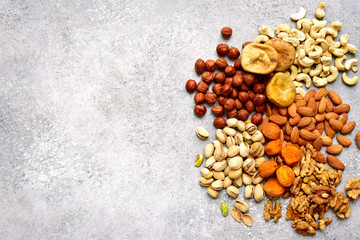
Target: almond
(329,105)
(295,120)
(305,111)
(302,141)
(275,110)
(331,115)
(334,149)
(317,103)
(286,138)
(298,97)
(343,118)
(320,117)
(309,95)
(292,110)
(327,141)
(278,119)
(261,126)
(320,127)
(288,128)
(328,129)
(304,122)
(283,111)
(335,98)
(322,105)
(312,104)
(320,157)
(335,162)
(300,103)
(347,128)
(342,108)
(317,144)
(358,139)
(344,141)
(310,127)
(268,110)
(316,133)
(307,135)
(322,92)
(336,124)
(294,137)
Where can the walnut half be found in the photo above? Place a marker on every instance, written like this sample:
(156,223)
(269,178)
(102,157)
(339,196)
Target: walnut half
(353,188)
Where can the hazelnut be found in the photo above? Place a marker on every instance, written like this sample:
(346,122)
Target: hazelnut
(217,88)
(243,96)
(228,80)
(244,88)
(218,110)
(199,98)
(210,97)
(233,53)
(229,70)
(239,72)
(251,95)
(222,100)
(226,32)
(219,77)
(220,122)
(238,104)
(237,64)
(234,93)
(222,49)
(243,114)
(249,79)
(249,105)
(226,90)
(261,108)
(200,110)
(256,118)
(202,87)
(259,99)
(221,63)
(210,65)
(207,77)
(229,104)
(199,65)
(190,85)
(258,88)
(231,114)
(245,43)
(237,80)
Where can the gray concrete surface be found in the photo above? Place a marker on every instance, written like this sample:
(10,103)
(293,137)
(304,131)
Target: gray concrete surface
(97,131)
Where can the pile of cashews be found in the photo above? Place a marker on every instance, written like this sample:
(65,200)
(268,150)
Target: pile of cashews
(315,47)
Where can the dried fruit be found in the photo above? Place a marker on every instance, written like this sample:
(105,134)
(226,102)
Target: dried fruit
(285,175)
(273,188)
(267,168)
(291,155)
(286,53)
(273,147)
(280,90)
(259,58)
(271,130)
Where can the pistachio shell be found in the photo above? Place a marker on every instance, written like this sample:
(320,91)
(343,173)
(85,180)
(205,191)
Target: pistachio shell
(256,178)
(249,191)
(232,122)
(205,182)
(220,154)
(247,137)
(221,135)
(249,165)
(202,133)
(241,126)
(250,128)
(227,182)
(244,149)
(230,141)
(247,219)
(220,166)
(232,191)
(210,162)
(217,185)
(219,175)
(213,192)
(206,173)
(242,206)
(238,138)
(217,143)
(259,193)
(259,161)
(237,182)
(209,150)
(236,214)
(233,151)
(229,131)
(256,137)
(235,174)
(246,179)
(235,163)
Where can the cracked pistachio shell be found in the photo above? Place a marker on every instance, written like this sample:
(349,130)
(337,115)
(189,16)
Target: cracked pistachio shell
(229,131)
(227,170)
(206,173)
(217,143)
(256,178)
(219,175)
(206,181)
(256,137)
(202,133)
(224,209)
(235,174)
(220,166)
(256,149)
(242,206)
(238,138)
(217,185)
(249,165)
(249,191)
(213,193)
(232,122)
(237,182)
(250,128)
(227,182)
(210,162)
(246,179)
(209,150)
(247,219)
(221,135)
(220,154)
(247,137)
(263,140)
(230,141)
(241,126)
(259,193)
(233,151)
(236,214)
(198,160)
(232,191)
(235,162)
(244,149)
(259,161)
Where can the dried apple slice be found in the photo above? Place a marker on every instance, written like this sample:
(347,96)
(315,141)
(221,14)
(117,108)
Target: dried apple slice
(280,90)
(286,53)
(259,58)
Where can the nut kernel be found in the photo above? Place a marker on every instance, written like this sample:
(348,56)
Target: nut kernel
(198,160)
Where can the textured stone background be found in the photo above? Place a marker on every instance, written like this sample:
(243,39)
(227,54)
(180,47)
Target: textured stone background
(97,131)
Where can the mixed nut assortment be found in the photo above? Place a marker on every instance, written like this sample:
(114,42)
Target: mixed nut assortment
(265,78)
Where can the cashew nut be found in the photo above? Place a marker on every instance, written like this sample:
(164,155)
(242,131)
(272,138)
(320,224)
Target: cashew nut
(326,60)
(323,43)
(333,74)
(293,41)
(294,72)
(298,84)
(317,60)
(305,69)
(354,69)
(319,82)
(328,31)
(315,32)
(317,70)
(327,54)
(336,51)
(282,35)
(261,39)
(351,63)
(322,23)
(320,10)
(287,73)
(308,45)
(326,71)
(351,48)
(299,15)
(344,48)
(304,77)
(266,30)
(349,81)
(297,34)
(303,60)
(315,52)
(304,25)
(331,42)
(336,25)
(344,39)
(300,91)
(338,63)
(282,28)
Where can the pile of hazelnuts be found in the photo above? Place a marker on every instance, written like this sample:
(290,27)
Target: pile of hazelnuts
(238,92)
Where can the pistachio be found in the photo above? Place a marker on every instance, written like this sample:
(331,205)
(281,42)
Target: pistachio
(221,135)
(246,179)
(220,166)
(216,143)
(247,137)
(256,137)
(249,191)
(233,151)
(210,162)
(250,128)
(206,181)
(259,161)
(219,154)
(206,173)
(236,214)
(235,174)
(256,178)
(263,140)
(244,149)
(232,191)
(224,209)
(219,175)
(209,150)
(247,219)
(256,149)
(217,185)
(229,131)
(237,182)
(199,159)
(202,133)
(230,141)
(242,206)
(227,182)
(213,192)
(249,165)
(227,170)
(238,138)
(232,122)
(259,193)
(235,162)
(241,126)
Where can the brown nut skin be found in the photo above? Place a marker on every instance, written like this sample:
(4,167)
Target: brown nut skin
(234,93)
(244,88)
(221,63)
(251,95)
(256,118)
(245,43)
(199,98)
(210,65)
(219,122)
(226,32)
(219,77)
(207,77)
(259,99)
(249,105)
(217,88)
(249,79)
(239,72)
(222,49)
(233,53)
(190,85)
(243,97)
(261,109)
(229,70)
(222,100)
(199,65)
(238,104)
(231,114)
(237,80)
(226,90)
(243,114)
(228,80)
(229,104)
(218,110)
(200,110)
(210,97)
(237,64)
(258,88)
(202,87)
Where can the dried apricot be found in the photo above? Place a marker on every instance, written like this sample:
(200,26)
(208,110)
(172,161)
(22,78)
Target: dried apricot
(273,147)
(273,188)
(291,155)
